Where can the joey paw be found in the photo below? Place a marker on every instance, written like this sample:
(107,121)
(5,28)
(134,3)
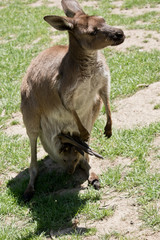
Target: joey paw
(94,181)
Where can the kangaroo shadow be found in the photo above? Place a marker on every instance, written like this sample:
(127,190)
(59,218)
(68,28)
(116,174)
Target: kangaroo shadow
(56,201)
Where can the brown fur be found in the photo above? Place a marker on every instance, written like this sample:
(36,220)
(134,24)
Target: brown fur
(63,87)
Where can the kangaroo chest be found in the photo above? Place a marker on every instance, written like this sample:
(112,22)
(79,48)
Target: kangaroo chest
(85,86)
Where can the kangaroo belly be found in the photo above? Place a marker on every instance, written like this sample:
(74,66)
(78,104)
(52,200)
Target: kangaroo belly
(60,120)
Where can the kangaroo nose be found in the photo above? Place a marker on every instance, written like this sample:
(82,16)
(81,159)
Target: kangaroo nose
(119,34)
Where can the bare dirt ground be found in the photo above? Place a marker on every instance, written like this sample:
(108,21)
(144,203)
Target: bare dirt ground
(139,109)
(135,111)
(145,40)
(57,3)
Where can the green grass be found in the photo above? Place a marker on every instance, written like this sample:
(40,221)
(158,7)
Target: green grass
(141,3)
(23,35)
(128,143)
(20,26)
(157,106)
(129,71)
(14,153)
(151,215)
(151,18)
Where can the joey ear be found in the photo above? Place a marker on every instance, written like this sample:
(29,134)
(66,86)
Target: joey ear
(71,7)
(59,23)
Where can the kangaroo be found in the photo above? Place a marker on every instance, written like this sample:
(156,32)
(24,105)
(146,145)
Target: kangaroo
(63,90)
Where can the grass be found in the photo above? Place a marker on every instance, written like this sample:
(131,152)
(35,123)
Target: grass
(130,71)
(128,143)
(151,215)
(115,235)
(23,35)
(157,106)
(151,19)
(136,3)
(11,149)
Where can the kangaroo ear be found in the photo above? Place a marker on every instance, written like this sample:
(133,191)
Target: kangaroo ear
(59,23)
(71,7)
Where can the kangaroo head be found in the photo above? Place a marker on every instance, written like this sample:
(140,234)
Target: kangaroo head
(90,32)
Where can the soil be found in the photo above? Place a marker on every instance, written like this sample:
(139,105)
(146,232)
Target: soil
(18,128)
(51,3)
(134,111)
(93,4)
(139,109)
(142,39)
(57,3)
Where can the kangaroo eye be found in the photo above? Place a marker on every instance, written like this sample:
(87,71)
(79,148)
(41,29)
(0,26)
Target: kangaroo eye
(64,160)
(94,32)
(75,160)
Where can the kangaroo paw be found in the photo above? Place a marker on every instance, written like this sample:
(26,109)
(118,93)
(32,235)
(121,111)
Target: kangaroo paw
(108,131)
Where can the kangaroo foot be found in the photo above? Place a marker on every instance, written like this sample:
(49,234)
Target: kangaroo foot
(28,194)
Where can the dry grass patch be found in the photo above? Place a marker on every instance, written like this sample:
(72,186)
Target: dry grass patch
(57,3)
(143,39)
(138,110)
(15,125)
(134,11)
(125,219)
(93,4)
(51,3)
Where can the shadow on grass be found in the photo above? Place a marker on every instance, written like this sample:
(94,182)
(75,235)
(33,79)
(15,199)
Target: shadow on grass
(56,201)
